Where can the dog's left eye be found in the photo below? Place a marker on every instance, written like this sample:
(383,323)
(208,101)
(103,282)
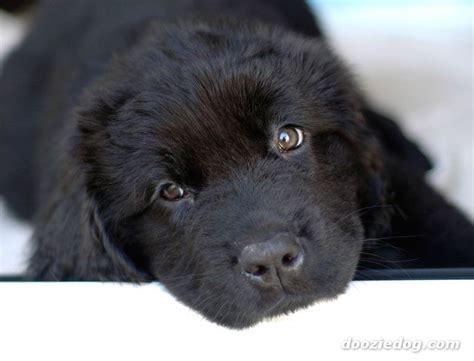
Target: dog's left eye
(172,192)
(289,138)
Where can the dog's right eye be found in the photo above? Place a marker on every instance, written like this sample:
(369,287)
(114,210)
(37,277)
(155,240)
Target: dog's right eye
(172,192)
(289,138)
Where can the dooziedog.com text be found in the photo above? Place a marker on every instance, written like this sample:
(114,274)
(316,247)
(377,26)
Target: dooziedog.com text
(400,344)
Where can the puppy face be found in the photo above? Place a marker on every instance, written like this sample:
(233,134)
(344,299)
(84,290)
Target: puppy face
(231,164)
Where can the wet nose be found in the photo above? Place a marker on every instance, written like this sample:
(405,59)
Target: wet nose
(270,262)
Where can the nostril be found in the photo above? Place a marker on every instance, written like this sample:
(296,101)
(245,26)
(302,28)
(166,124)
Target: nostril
(291,260)
(257,270)
(287,259)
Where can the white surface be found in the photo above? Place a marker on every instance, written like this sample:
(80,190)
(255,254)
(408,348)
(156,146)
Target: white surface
(93,321)
(14,237)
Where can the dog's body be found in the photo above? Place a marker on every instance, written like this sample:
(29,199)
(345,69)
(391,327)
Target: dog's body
(108,101)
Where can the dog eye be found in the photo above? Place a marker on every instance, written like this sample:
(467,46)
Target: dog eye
(172,192)
(289,138)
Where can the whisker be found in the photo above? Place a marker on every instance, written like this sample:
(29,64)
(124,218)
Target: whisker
(360,211)
(395,237)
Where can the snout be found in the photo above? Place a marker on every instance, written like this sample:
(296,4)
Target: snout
(274,262)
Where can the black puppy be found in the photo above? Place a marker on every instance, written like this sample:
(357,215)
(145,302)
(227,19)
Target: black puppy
(227,154)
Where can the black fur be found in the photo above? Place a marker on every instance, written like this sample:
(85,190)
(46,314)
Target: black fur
(106,100)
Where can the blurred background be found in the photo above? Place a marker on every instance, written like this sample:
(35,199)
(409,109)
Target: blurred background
(413,58)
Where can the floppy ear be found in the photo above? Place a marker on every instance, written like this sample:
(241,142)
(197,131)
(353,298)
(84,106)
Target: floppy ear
(74,236)
(392,144)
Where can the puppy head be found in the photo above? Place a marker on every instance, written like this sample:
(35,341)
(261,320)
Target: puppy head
(232,164)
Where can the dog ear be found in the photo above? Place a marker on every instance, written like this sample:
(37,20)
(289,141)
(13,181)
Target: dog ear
(102,213)
(390,143)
